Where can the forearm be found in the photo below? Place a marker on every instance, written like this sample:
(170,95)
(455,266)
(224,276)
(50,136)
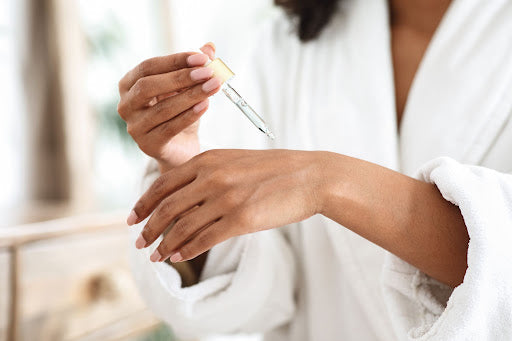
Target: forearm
(407,217)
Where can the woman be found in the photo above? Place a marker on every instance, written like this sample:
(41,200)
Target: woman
(395,83)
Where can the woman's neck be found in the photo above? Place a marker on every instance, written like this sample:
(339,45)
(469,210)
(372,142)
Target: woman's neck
(413,23)
(420,15)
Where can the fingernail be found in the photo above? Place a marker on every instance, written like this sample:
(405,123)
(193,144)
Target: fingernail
(202,73)
(210,45)
(197,59)
(140,243)
(132,218)
(176,258)
(209,49)
(212,84)
(155,257)
(200,106)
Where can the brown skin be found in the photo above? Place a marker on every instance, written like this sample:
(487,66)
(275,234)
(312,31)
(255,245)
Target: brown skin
(413,24)
(224,193)
(157,100)
(173,139)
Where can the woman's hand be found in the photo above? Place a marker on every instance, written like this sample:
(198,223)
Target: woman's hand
(162,100)
(225,193)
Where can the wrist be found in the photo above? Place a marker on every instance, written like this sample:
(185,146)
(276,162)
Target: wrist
(359,195)
(178,151)
(327,180)
(343,188)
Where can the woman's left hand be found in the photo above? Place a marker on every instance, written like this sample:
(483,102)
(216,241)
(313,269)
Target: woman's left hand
(220,194)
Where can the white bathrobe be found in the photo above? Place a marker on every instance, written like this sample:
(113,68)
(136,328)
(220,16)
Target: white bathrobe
(316,280)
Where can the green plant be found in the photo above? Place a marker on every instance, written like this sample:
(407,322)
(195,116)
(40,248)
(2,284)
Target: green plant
(162,333)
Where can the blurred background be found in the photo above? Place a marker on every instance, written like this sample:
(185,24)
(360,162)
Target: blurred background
(69,172)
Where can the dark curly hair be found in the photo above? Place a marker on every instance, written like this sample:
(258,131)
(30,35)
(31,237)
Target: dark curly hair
(310,16)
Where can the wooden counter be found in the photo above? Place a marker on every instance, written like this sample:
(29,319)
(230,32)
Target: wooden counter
(69,279)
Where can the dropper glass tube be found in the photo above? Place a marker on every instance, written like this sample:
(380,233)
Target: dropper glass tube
(221,70)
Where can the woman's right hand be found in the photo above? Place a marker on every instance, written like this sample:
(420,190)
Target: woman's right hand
(161,102)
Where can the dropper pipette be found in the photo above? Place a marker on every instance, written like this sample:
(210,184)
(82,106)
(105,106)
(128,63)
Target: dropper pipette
(221,70)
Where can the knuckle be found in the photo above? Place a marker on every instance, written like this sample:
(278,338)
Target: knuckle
(140,88)
(122,108)
(121,84)
(159,183)
(144,68)
(220,177)
(192,94)
(182,78)
(204,163)
(244,217)
(212,153)
(170,129)
(190,250)
(181,227)
(164,248)
(131,129)
(145,145)
(203,241)
(188,118)
(159,186)
(158,109)
(217,177)
(166,206)
(231,198)
(148,233)
(200,159)
(162,108)
(175,61)
(203,156)
(186,252)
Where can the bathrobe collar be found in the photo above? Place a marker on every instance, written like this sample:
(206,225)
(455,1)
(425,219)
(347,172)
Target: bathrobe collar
(461,96)
(460,99)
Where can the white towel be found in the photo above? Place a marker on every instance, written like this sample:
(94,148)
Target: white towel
(481,307)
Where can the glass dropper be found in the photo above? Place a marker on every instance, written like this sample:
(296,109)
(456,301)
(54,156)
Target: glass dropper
(221,70)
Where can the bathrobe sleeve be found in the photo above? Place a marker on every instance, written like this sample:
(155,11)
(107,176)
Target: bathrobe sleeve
(247,284)
(480,308)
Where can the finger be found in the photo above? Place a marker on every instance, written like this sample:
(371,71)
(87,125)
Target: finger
(160,98)
(173,106)
(164,132)
(203,241)
(159,65)
(165,185)
(209,48)
(185,229)
(167,211)
(147,88)
(174,126)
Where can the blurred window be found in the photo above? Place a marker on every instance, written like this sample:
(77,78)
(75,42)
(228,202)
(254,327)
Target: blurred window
(120,34)
(11,134)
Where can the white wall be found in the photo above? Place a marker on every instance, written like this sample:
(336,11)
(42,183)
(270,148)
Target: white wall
(230,24)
